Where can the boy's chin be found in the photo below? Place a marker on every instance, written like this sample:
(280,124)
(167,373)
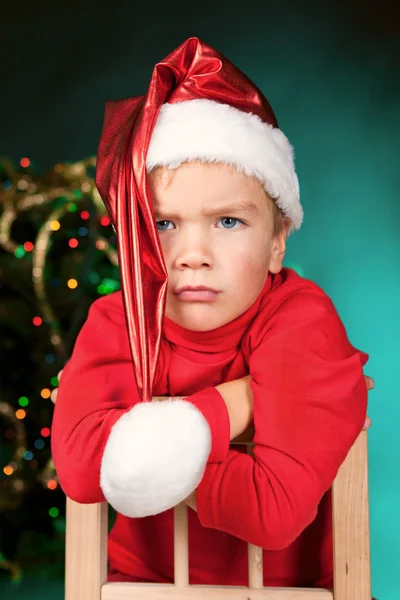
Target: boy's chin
(201,318)
(203,321)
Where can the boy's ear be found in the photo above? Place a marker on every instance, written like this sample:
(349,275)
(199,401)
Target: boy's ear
(278,250)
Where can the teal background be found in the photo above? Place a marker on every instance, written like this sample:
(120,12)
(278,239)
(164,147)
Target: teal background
(332,77)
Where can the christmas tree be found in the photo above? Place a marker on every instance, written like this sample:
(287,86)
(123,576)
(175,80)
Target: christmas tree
(57,256)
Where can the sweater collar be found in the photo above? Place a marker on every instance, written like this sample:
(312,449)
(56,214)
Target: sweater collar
(226,337)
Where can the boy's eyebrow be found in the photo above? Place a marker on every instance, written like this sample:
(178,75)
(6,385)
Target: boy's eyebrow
(244,205)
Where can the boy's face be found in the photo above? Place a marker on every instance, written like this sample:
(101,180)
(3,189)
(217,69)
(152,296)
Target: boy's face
(231,250)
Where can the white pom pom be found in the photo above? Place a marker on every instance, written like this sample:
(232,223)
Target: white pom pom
(155,457)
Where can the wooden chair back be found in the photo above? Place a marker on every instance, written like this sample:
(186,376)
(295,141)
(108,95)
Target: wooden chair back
(86,551)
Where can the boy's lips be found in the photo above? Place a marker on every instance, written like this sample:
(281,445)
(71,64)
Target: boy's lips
(198,293)
(198,288)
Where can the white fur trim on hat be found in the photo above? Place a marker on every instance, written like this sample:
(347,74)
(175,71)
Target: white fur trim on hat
(214,132)
(155,457)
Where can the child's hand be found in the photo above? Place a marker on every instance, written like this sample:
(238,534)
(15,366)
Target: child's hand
(238,397)
(54,393)
(370,386)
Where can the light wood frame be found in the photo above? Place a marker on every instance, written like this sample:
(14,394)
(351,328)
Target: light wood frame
(86,551)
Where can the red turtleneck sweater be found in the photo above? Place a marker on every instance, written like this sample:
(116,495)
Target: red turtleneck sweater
(309,407)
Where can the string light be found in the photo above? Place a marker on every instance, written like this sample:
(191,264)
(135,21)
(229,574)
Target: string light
(61,191)
(73,243)
(19,252)
(105,221)
(45,393)
(23,184)
(108,286)
(55,340)
(101,244)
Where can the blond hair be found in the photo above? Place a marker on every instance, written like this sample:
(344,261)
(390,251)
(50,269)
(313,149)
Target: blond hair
(279,220)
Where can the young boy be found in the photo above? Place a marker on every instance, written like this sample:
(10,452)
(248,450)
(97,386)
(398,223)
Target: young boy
(261,345)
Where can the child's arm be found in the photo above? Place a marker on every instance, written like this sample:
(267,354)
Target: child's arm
(310,401)
(248,434)
(108,445)
(238,397)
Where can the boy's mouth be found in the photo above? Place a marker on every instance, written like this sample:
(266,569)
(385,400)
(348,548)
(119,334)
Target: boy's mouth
(195,288)
(196,293)
(198,296)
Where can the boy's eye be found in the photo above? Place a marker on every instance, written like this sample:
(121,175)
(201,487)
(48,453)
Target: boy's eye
(231,219)
(161,224)
(158,223)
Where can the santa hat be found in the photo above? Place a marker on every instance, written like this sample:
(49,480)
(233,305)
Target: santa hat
(216,132)
(198,106)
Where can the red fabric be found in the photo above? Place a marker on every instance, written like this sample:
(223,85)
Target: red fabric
(194,70)
(310,404)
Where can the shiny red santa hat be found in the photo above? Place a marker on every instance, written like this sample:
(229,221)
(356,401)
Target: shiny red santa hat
(198,106)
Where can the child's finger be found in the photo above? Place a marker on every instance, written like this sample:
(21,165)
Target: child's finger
(370,382)
(53,395)
(367,423)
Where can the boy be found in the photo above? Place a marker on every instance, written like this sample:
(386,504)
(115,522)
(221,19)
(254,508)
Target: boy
(263,345)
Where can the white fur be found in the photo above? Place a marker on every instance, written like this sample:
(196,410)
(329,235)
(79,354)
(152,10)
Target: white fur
(214,132)
(155,457)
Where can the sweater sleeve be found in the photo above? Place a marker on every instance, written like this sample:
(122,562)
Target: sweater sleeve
(310,401)
(109,445)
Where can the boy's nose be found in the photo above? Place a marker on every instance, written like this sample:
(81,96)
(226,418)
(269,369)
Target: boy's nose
(194,260)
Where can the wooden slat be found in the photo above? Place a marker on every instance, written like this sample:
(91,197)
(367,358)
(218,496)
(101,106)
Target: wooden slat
(147,591)
(254,555)
(181,546)
(352,571)
(85,550)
